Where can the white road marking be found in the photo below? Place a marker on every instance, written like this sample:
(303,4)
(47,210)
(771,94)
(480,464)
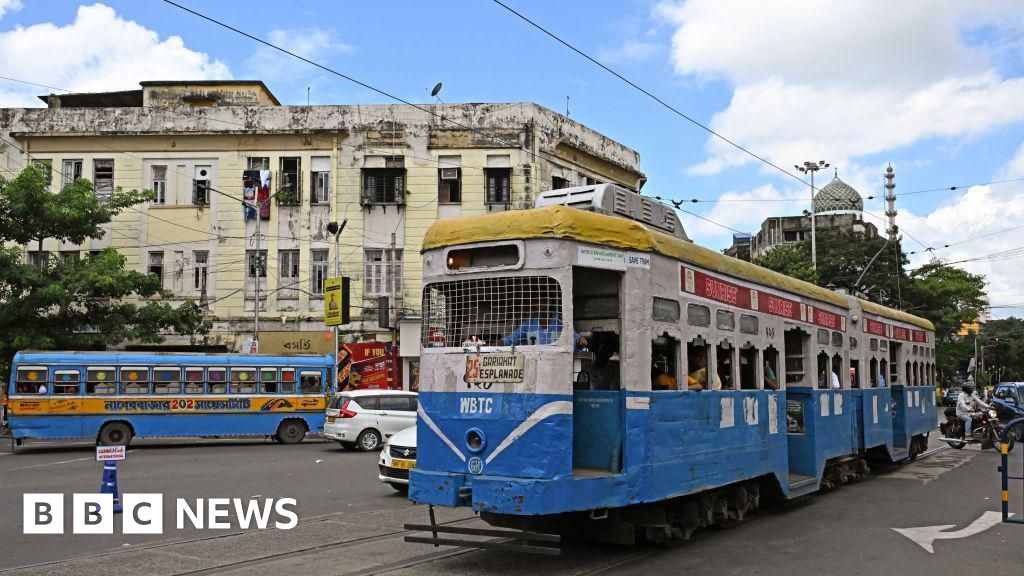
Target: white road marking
(925,536)
(93,458)
(928,469)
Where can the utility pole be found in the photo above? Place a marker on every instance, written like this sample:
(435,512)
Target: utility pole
(812,167)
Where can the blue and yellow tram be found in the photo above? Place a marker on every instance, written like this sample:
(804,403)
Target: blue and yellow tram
(590,370)
(115,396)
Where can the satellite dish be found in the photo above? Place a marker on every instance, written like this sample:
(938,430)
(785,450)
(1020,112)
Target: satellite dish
(436,90)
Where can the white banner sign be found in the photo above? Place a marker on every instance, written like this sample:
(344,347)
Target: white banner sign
(108,453)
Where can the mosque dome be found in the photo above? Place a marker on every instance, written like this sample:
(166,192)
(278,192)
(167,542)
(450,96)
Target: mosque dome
(837,197)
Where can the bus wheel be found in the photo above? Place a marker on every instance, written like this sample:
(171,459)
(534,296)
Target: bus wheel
(291,432)
(115,434)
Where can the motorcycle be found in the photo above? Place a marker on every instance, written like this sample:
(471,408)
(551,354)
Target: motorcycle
(987,432)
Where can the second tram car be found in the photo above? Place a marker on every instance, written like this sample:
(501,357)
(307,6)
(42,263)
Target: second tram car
(588,370)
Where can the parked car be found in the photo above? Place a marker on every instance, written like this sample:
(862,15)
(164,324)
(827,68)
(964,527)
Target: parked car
(364,419)
(1008,401)
(949,395)
(397,458)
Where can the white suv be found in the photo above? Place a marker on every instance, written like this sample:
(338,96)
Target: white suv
(363,419)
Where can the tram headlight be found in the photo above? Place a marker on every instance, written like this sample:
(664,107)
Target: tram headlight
(475,439)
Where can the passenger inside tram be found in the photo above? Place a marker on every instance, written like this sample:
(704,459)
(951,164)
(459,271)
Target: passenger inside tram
(725,353)
(771,379)
(600,373)
(748,367)
(543,325)
(697,359)
(663,367)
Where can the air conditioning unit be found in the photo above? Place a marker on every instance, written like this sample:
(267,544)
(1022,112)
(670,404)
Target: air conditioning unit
(449,173)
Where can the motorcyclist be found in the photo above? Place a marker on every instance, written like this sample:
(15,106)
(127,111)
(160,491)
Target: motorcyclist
(966,403)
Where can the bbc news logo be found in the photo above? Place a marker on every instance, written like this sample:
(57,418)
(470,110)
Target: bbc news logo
(144,513)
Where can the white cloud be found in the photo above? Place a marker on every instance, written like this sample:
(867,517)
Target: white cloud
(313,43)
(632,50)
(98,51)
(9,6)
(845,80)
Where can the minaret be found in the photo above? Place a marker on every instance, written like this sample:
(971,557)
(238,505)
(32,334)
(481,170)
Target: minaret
(890,199)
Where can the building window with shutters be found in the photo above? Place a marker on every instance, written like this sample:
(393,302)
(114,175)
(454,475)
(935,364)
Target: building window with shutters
(449,185)
(201,259)
(290,192)
(72,171)
(159,184)
(37,259)
(288,266)
(45,168)
(557,183)
(384,185)
(103,178)
(156,265)
(321,179)
(318,272)
(382,275)
(201,186)
(499,185)
(255,273)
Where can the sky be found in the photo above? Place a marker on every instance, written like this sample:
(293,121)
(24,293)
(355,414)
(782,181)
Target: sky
(933,87)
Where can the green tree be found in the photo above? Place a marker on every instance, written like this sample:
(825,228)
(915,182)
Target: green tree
(790,259)
(78,304)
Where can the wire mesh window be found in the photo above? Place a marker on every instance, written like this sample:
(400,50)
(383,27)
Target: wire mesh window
(493,311)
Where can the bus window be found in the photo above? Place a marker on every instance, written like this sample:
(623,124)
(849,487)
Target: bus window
(823,370)
(664,355)
(287,383)
(310,382)
(100,380)
(217,380)
(748,367)
(268,380)
(134,380)
(167,381)
(725,355)
(697,363)
(66,382)
(193,380)
(31,381)
(771,368)
(243,380)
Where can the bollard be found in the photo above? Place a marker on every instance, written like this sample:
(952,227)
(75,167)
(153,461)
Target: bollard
(109,483)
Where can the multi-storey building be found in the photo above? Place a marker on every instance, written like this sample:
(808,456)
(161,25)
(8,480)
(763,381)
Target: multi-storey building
(389,170)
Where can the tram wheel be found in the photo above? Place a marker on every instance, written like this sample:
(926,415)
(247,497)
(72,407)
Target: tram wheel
(291,432)
(115,434)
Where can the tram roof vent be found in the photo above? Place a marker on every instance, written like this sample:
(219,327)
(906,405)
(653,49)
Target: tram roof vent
(616,201)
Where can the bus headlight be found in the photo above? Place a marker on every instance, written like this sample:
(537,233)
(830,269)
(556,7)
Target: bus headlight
(475,439)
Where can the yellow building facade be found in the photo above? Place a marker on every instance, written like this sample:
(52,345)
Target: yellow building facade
(390,171)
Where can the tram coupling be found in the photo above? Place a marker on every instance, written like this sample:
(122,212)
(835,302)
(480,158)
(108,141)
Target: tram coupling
(509,540)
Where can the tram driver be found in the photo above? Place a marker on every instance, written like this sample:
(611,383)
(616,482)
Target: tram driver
(542,326)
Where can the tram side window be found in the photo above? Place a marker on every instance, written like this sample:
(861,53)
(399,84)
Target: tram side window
(310,383)
(795,341)
(217,380)
(837,339)
(697,362)
(268,380)
(664,363)
(748,324)
(193,380)
(725,320)
(771,368)
(665,310)
(748,367)
(31,381)
(167,381)
(100,380)
(835,380)
(855,373)
(287,383)
(243,380)
(873,372)
(134,380)
(882,378)
(726,372)
(823,370)
(908,381)
(697,315)
(873,344)
(66,382)
(823,337)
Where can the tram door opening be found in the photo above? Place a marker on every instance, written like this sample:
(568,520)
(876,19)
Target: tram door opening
(894,364)
(796,344)
(598,429)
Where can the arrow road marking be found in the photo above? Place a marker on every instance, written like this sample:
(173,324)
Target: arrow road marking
(925,536)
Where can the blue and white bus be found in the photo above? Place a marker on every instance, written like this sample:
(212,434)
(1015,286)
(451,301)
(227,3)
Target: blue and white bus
(115,396)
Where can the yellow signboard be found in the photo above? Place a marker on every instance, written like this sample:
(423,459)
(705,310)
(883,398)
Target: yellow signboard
(319,342)
(335,301)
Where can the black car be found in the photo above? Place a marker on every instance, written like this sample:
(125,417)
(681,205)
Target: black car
(949,395)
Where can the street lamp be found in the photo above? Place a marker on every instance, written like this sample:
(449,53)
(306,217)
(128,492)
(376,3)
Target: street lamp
(812,167)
